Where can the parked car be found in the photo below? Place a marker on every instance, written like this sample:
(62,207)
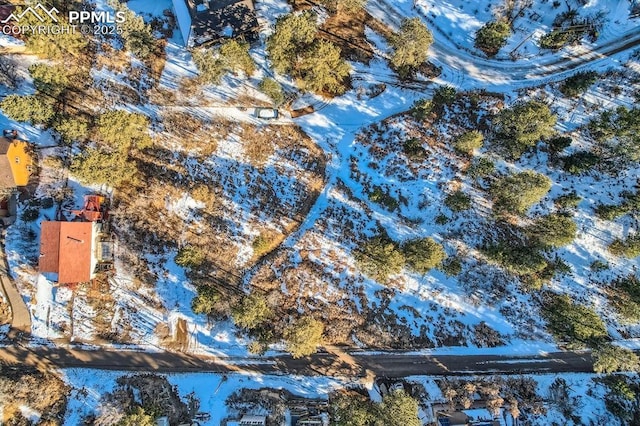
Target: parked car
(266,113)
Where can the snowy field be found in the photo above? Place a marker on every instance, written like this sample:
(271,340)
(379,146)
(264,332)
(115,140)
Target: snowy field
(434,307)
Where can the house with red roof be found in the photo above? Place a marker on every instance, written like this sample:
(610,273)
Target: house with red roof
(69,251)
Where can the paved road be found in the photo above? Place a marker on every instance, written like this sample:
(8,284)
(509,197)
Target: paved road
(21,320)
(328,364)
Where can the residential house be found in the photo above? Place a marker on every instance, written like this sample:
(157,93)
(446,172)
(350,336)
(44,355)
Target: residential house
(16,168)
(69,251)
(204,22)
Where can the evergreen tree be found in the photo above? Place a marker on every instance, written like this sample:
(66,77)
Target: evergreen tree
(492,36)
(423,254)
(353,409)
(29,108)
(399,409)
(49,45)
(379,257)
(517,192)
(137,35)
(574,324)
(137,417)
(210,66)
(293,34)
(553,230)
(323,70)
(273,89)
(124,130)
(235,56)
(251,312)
(303,336)
(206,300)
(410,44)
(523,125)
(52,80)
(468,142)
(96,166)
(610,358)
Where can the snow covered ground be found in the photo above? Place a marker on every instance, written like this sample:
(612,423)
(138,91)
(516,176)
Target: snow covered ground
(428,300)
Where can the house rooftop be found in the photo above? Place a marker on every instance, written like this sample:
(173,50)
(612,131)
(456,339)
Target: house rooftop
(213,20)
(66,249)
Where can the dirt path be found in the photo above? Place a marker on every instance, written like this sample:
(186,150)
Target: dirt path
(20,320)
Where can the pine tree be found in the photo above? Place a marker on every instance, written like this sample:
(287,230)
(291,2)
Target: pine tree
(293,34)
(27,108)
(399,409)
(553,230)
(610,358)
(303,336)
(423,254)
(468,142)
(523,125)
(235,56)
(251,312)
(517,192)
(124,130)
(410,44)
(322,69)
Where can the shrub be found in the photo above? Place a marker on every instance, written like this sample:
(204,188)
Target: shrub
(468,142)
(379,257)
(625,298)
(520,127)
(580,162)
(273,89)
(413,149)
(518,192)
(553,230)
(303,336)
(423,254)
(610,358)
(251,312)
(206,300)
(190,257)
(629,247)
(458,201)
(492,36)
(383,198)
(578,83)
(574,324)
(599,266)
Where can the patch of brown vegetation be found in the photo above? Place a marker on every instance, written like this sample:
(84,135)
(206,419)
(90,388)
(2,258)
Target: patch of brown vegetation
(5,312)
(44,393)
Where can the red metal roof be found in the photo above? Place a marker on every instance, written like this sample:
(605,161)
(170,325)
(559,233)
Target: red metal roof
(65,249)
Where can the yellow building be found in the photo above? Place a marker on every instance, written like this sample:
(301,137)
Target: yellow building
(16,164)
